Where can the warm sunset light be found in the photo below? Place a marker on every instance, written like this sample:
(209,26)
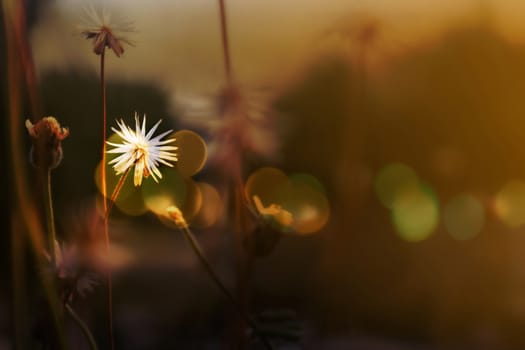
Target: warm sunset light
(232,174)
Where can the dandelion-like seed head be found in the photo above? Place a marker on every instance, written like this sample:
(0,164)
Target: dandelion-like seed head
(47,135)
(142,150)
(98,27)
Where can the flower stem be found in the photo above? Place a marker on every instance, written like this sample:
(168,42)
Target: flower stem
(103,169)
(83,327)
(116,192)
(51,233)
(207,267)
(225,44)
(49,214)
(104,195)
(242,257)
(243,254)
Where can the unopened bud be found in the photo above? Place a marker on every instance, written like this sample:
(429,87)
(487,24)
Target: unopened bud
(47,135)
(175,214)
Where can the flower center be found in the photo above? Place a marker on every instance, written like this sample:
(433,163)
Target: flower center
(140,153)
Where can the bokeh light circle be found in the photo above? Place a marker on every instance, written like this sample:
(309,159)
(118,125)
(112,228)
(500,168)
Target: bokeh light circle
(211,209)
(171,190)
(309,206)
(509,203)
(192,201)
(393,181)
(301,195)
(264,183)
(191,154)
(464,217)
(415,213)
(307,179)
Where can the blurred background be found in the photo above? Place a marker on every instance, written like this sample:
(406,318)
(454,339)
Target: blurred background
(407,118)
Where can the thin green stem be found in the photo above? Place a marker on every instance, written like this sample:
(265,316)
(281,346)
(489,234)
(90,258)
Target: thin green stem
(209,270)
(83,327)
(104,196)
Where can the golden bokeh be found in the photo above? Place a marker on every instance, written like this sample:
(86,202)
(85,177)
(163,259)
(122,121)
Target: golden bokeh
(301,195)
(134,203)
(509,203)
(192,152)
(171,190)
(211,209)
(308,205)
(264,183)
(192,202)
(309,180)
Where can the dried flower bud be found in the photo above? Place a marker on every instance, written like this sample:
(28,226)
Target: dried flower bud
(47,135)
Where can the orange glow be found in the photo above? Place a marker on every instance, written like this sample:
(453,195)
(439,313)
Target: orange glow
(211,209)
(264,183)
(172,186)
(509,203)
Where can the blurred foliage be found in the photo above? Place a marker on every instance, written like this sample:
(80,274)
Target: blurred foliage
(462,95)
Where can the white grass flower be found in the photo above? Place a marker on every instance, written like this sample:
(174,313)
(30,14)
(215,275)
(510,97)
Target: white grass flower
(141,150)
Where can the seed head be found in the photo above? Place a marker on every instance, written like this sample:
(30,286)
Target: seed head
(103,33)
